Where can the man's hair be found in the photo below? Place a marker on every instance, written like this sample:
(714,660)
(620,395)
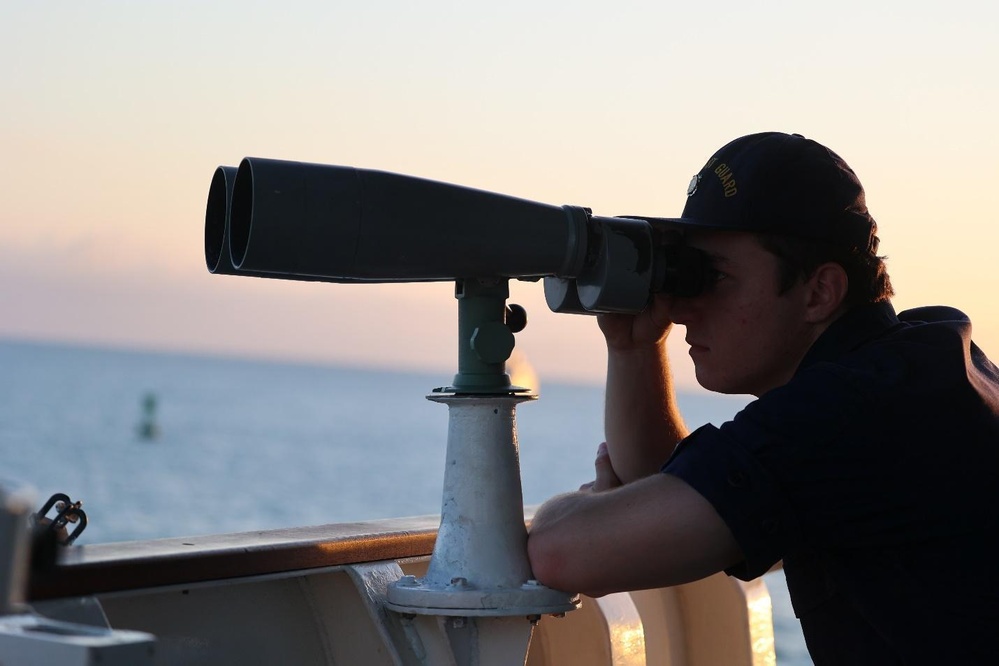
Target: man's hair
(798,259)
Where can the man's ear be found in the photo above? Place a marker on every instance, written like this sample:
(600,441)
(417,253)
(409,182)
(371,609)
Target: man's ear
(826,291)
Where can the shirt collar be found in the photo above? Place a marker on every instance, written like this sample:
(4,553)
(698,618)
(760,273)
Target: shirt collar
(850,331)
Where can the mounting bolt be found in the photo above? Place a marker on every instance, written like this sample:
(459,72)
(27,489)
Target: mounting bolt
(407,581)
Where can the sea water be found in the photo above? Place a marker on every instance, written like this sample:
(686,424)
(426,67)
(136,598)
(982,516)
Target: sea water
(159,445)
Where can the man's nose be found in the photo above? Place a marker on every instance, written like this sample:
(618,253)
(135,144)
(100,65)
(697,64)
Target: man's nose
(682,309)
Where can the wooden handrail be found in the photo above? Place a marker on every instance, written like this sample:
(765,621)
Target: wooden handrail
(130,565)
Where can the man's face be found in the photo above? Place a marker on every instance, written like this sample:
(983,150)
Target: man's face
(744,336)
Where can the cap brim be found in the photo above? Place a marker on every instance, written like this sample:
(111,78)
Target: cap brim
(687,223)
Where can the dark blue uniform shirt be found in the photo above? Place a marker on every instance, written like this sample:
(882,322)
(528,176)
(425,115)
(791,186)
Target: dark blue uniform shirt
(874,475)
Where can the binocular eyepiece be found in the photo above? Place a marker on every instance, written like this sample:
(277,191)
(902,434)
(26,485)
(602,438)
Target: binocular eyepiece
(299,221)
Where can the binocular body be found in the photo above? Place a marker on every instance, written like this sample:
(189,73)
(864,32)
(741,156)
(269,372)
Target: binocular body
(300,221)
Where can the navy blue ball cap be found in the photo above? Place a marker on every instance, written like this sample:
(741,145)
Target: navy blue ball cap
(783,184)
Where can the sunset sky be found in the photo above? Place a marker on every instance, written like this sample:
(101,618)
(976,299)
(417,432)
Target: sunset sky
(114,116)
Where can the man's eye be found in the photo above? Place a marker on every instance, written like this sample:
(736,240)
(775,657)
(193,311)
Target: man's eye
(715,275)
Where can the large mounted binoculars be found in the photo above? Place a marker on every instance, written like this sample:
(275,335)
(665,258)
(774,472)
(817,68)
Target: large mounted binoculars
(299,221)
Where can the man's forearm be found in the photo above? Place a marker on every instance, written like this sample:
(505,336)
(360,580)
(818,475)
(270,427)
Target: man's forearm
(654,532)
(642,422)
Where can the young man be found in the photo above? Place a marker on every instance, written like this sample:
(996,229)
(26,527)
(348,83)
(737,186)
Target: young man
(868,463)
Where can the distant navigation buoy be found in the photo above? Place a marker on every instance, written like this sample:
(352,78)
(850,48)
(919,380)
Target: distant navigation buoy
(148,428)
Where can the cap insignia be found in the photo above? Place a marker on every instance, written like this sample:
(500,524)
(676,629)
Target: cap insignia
(692,187)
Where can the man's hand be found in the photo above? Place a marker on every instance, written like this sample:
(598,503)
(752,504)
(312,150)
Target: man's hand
(606,478)
(647,328)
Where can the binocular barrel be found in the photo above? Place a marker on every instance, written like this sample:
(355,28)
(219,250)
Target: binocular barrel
(301,221)
(344,224)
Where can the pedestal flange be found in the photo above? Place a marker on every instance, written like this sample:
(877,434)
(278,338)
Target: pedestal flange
(415,596)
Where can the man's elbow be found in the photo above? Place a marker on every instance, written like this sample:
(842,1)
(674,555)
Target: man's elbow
(547,559)
(557,563)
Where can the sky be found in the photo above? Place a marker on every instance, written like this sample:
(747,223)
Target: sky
(114,115)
